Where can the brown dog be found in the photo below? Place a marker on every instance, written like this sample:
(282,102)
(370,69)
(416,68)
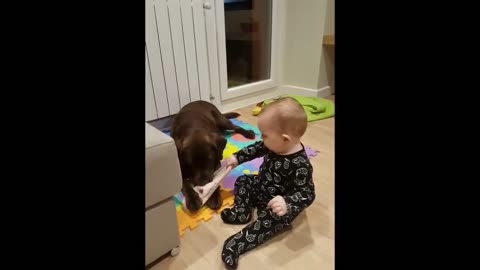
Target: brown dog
(197,131)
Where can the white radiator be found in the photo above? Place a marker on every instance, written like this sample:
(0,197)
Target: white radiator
(181,58)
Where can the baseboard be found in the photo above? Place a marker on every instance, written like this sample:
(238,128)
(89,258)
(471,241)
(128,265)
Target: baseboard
(295,90)
(249,99)
(253,98)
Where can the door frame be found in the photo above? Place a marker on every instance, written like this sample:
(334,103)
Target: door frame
(229,93)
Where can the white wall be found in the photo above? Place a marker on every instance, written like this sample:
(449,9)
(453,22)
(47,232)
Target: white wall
(330,18)
(305,22)
(326,75)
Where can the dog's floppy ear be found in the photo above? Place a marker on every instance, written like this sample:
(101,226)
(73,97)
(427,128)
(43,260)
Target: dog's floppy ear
(183,156)
(220,143)
(182,145)
(179,145)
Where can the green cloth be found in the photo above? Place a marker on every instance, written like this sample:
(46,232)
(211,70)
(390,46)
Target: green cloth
(315,108)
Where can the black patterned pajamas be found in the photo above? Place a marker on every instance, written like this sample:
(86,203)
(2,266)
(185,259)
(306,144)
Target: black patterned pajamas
(289,176)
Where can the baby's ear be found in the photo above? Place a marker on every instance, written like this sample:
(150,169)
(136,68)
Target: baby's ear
(286,138)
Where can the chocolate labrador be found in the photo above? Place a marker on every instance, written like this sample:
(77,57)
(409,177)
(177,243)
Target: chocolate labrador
(198,133)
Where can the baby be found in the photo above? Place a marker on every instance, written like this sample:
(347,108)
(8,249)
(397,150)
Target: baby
(282,189)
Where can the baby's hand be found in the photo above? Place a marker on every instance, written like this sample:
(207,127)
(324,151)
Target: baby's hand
(231,161)
(278,205)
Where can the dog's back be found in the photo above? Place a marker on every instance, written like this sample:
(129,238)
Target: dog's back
(195,115)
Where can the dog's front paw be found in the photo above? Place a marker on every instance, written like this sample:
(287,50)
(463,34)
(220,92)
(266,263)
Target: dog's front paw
(214,202)
(193,203)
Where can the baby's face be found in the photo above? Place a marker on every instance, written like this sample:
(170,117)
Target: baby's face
(272,138)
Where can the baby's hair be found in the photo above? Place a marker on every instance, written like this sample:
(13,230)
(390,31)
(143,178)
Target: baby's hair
(289,115)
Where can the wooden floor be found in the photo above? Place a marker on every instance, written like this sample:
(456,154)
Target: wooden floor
(309,245)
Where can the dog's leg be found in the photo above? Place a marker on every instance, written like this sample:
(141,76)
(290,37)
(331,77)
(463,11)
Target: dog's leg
(224,124)
(192,200)
(215,201)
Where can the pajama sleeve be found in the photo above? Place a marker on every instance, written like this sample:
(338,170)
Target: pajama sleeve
(251,152)
(302,193)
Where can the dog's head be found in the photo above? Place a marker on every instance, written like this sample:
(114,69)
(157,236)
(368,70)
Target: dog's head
(200,155)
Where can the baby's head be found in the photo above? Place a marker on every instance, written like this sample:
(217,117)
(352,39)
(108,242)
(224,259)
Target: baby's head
(282,123)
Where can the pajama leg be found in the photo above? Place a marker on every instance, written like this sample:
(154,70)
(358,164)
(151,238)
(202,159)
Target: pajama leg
(263,229)
(241,211)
